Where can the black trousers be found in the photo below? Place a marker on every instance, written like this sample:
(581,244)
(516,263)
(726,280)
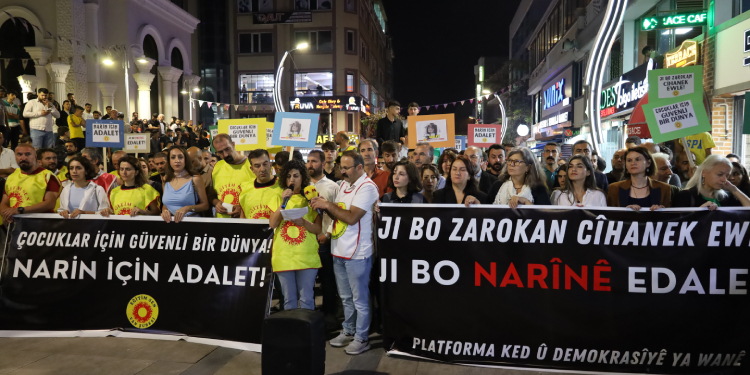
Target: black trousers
(327,280)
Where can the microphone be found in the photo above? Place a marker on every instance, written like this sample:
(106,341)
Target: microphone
(310,193)
(283,204)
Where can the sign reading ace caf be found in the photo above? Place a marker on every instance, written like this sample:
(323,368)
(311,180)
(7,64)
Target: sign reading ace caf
(105,133)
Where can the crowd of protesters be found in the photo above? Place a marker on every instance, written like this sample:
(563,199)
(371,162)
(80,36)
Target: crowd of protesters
(334,240)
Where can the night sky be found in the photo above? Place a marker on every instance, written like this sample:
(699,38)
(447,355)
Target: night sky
(436,47)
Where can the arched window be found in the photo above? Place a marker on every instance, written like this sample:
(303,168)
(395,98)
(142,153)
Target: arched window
(177,62)
(151,51)
(16,36)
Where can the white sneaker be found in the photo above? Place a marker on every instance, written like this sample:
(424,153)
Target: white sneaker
(357,347)
(341,340)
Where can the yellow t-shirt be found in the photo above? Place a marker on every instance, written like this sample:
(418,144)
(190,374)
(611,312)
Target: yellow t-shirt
(124,200)
(228,179)
(260,203)
(294,248)
(75,132)
(698,144)
(62,177)
(350,148)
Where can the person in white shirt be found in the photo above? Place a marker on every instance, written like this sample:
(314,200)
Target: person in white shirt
(352,248)
(82,196)
(87,115)
(328,190)
(580,186)
(7,159)
(40,112)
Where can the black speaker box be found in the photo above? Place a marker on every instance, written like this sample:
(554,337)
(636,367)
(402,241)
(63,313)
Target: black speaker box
(294,343)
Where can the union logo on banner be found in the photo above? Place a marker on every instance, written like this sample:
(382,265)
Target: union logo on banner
(142,311)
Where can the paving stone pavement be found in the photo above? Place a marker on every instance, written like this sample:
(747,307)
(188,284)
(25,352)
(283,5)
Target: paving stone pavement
(125,356)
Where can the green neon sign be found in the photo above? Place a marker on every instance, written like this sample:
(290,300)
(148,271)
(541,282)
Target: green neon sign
(691,19)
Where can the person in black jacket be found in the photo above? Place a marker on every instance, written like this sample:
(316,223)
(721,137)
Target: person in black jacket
(404,184)
(522,181)
(390,127)
(710,188)
(461,184)
(484,178)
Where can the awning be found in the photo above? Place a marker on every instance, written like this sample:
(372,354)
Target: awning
(637,125)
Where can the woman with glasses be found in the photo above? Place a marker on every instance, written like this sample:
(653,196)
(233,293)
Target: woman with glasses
(461,184)
(404,184)
(430,176)
(579,187)
(522,181)
(639,188)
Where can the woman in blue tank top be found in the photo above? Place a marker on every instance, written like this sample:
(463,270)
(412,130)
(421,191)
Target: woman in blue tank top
(184,193)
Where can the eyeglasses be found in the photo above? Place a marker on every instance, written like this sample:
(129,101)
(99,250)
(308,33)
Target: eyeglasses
(516,163)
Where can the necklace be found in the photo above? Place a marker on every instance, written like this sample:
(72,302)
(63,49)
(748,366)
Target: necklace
(182,174)
(642,187)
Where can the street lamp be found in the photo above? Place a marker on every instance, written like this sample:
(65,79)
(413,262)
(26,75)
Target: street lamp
(190,95)
(277,84)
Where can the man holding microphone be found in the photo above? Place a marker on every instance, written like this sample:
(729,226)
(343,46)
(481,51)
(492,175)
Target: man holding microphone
(40,112)
(352,249)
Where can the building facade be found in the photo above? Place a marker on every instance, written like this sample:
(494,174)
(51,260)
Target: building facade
(343,74)
(713,34)
(83,47)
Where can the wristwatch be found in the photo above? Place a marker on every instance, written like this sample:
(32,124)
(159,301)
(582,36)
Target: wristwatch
(20,210)
(328,236)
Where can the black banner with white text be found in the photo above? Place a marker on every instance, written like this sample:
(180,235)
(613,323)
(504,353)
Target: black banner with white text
(198,278)
(570,289)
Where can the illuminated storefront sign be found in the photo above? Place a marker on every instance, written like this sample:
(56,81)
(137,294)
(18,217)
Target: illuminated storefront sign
(624,93)
(685,56)
(329,103)
(689,19)
(554,94)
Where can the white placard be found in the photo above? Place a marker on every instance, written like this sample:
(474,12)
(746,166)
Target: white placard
(295,129)
(673,85)
(269,137)
(432,131)
(485,135)
(105,133)
(137,143)
(294,213)
(246,134)
(675,116)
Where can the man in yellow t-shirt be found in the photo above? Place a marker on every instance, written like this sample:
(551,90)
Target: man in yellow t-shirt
(262,196)
(30,188)
(342,140)
(700,145)
(76,123)
(228,176)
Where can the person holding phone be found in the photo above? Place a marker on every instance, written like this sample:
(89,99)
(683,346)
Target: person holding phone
(40,112)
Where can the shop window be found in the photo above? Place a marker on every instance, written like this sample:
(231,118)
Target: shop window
(374,98)
(313,84)
(249,6)
(350,82)
(312,4)
(319,41)
(256,88)
(256,43)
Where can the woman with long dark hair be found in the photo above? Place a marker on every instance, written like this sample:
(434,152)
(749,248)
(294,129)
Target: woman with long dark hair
(739,178)
(184,193)
(444,163)
(579,188)
(638,187)
(135,196)
(82,196)
(430,176)
(521,181)
(294,256)
(461,184)
(404,184)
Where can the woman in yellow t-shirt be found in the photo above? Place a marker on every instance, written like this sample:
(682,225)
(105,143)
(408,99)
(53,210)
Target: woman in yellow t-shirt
(294,255)
(135,196)
(76,124)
